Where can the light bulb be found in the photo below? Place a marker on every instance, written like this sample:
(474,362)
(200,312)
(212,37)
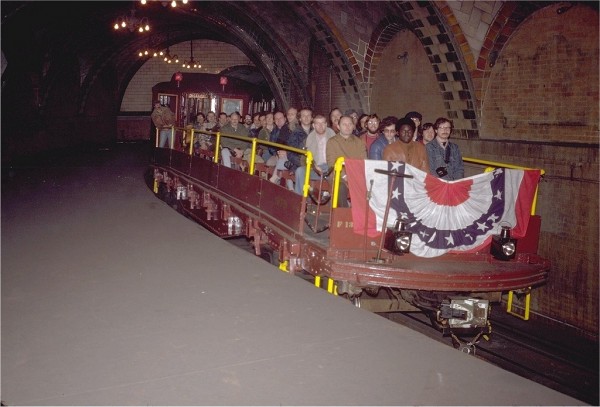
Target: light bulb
(146,52)
(141,29)
(147,27)
(116,26)
(143,1)
(173,3)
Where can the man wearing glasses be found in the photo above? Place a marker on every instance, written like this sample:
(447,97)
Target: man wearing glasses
(371,130)
(445,159)
(387,136)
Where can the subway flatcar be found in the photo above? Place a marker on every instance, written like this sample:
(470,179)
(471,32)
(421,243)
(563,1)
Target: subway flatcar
(407,241)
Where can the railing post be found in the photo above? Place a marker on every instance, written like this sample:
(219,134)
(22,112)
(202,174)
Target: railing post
(339,163)
(305,187)
(191,141)
(253,157)
(217,144)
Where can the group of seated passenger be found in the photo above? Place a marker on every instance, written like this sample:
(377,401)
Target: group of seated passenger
(425,147)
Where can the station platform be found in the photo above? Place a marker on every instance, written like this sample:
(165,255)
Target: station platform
(110,297)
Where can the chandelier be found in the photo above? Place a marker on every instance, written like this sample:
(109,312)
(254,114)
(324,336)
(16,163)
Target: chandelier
(132,23)
(168,58)
(191,63)
(165,3)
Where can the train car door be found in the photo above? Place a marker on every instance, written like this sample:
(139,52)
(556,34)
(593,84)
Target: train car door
(168,99)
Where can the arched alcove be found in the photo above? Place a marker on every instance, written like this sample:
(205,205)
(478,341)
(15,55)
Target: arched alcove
(405,80)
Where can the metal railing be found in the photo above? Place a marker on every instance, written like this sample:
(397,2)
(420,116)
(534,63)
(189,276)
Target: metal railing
(255,142)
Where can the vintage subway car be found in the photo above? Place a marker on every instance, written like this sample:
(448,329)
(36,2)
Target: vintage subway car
(449,249)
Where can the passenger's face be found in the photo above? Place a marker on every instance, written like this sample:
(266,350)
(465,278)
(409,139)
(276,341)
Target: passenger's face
(390,132)
(405,133)
(222,119)
(320,125)
(248,119)
(306,117)
(268,119)
(363,122)
(428,135)
(443,131)
(292,115)
(235,119)
(346,126)
(335,116)
(211,117)
(372,126)
(279,119)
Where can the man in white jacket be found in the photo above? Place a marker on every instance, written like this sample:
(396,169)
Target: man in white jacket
(316,142)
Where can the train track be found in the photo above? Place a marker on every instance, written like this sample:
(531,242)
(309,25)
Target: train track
(567,365)
(555,358)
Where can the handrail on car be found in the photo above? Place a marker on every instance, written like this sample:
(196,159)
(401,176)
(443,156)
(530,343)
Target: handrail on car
(491,165)
(254,142)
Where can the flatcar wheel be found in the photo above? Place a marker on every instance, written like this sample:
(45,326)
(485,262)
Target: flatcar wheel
(269,255)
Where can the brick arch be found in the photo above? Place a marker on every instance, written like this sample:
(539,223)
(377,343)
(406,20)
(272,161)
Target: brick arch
(436,28)
(381,37)
(508,19)
(338,51)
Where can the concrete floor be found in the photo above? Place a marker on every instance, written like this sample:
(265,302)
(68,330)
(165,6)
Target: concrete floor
(110,297)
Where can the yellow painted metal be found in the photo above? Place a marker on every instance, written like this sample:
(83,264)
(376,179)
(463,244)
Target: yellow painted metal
(157,137)
(283,266)
(339,163)
(306,186)
(217,145)
(509,305)
(155,186)
(492,165)
(318,281)
(252,157)
(172,137)
(191,141)
(331,286)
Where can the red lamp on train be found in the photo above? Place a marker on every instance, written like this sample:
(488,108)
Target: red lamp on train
(178,77)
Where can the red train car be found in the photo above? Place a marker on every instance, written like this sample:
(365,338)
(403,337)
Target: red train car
(413,263)
(188,94)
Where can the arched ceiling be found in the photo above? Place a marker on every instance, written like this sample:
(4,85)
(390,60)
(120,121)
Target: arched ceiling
(41,37)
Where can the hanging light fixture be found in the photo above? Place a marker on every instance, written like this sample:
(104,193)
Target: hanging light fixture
(191,63)
(149,51)
(166,3)
(132,23)
(168,58)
